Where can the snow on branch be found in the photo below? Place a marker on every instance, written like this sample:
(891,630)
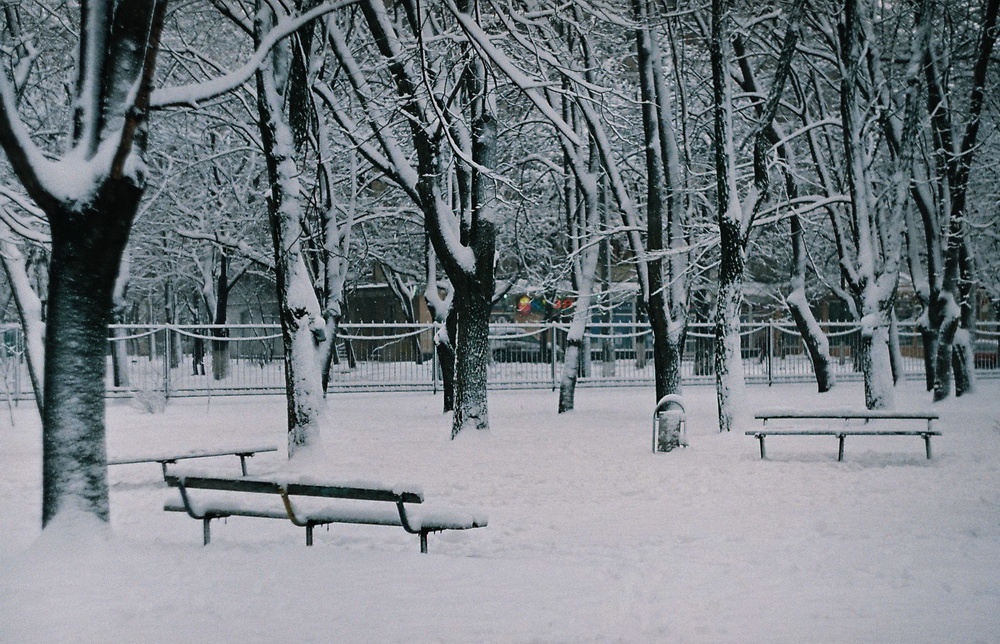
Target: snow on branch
(529,86)
(18,224)
(191,95)
(225,241)
(26,158)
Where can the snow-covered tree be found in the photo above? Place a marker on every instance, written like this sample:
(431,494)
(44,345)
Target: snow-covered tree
(89,194)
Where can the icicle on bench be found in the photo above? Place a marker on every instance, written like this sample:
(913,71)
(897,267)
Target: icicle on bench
(352,503)
(165,458)
(846,415)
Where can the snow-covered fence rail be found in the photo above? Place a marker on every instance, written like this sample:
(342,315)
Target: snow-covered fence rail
(205,360)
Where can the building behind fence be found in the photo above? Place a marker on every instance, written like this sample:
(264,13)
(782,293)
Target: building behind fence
(204,360)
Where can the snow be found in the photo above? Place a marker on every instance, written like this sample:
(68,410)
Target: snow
(592,537)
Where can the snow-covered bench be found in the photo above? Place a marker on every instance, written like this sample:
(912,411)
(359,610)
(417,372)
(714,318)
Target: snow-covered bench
(308,503)
(847,415)
(168,458)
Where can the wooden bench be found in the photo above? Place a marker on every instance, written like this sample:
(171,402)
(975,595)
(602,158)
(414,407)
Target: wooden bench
(847,416)
(272,498)
(170,458)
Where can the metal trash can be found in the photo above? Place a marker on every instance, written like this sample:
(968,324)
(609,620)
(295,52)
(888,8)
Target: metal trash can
(669,424)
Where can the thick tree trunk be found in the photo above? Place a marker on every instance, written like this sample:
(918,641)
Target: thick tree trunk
(472,360)
(729,381)
(875,360)
(86,251)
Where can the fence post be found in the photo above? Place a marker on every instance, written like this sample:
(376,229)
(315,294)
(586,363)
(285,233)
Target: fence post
(770,352)
(166,362)
(552,353)
(20,353)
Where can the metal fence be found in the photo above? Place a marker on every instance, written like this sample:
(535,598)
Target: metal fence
(204,360)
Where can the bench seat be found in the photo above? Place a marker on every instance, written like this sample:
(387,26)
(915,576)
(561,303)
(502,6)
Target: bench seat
(309,504)
(926,434)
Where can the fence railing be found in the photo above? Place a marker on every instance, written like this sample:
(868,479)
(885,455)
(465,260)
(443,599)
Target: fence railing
(205,360)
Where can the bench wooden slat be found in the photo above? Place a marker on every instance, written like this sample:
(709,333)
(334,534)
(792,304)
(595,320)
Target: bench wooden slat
(843,432)
(872,414)
(260,486)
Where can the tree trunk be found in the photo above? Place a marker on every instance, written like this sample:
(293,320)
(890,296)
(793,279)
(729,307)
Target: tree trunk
(445,347)
(119,346)
(814,339)
(472,360)
(29,310)
(812,335)
(729,381)
(302,324)
(875,359)
(574,337)
(945,338)
(895,355)
(220,347)
(963,361)
(86,251)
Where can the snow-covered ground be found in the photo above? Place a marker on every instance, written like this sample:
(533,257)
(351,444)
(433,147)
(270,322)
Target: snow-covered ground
(592,538)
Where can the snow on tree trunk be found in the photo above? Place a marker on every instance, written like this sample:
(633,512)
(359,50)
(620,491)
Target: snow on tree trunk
(86,251)
(119,346)
(729,384)
(90,196)
(303,327)
(574,337)
(812,337)
(875,360)
(730,387)
(963,363)
(947,328)
(444,344)
(29,310)
(472,359)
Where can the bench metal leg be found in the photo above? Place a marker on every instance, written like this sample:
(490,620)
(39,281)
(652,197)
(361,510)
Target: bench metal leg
(927,443)
(760,437)
(206,531)
(423,542)
(243,463)
(840,448)
(163,465)
(309,534)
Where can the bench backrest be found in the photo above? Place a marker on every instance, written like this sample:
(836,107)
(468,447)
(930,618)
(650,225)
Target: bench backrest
(264,486)
(872,414)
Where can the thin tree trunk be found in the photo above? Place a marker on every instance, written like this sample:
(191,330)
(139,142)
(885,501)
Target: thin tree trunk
(29,310)
(813,337)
